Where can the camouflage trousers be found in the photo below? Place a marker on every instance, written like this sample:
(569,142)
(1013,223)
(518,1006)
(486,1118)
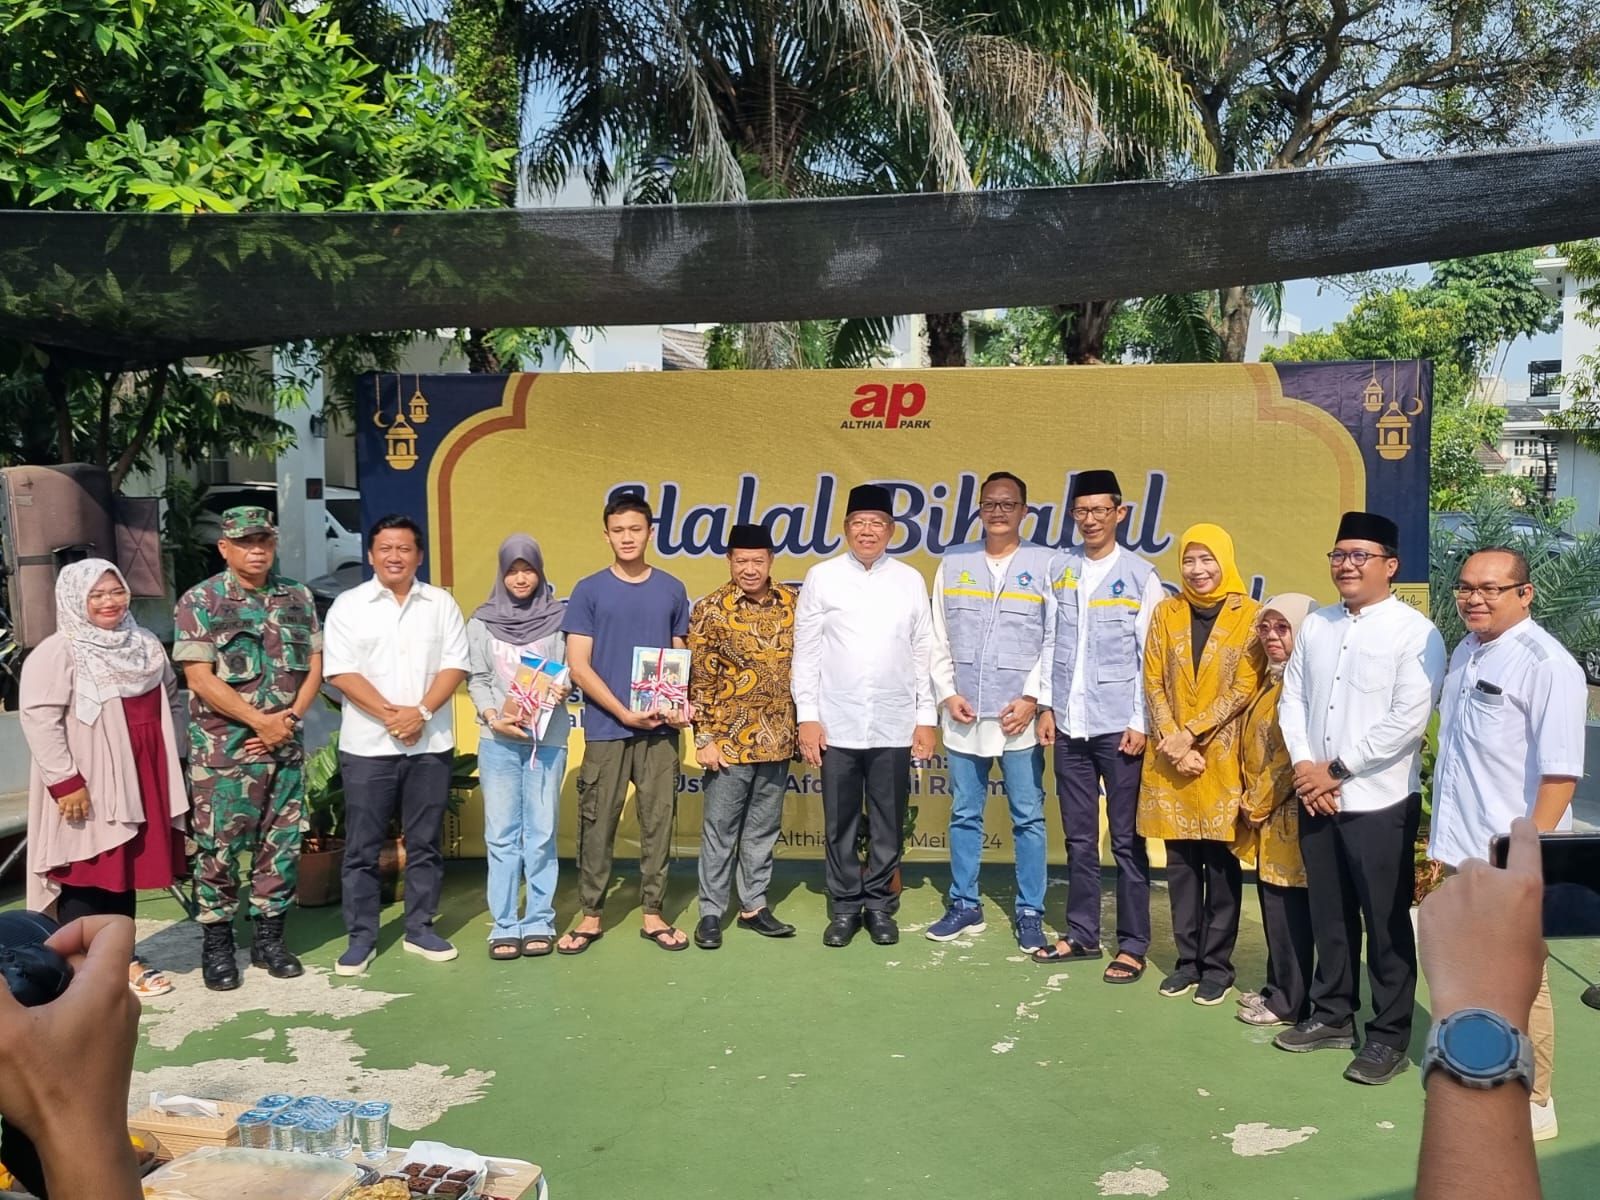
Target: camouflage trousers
(250,808)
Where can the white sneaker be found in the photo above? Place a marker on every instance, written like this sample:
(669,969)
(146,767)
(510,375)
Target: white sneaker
(1544,1120)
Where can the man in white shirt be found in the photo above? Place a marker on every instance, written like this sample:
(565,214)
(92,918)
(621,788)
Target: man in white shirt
(396,648)
(1103,598)
(1357,694)
(862,637)
(991,617)
(1511,733)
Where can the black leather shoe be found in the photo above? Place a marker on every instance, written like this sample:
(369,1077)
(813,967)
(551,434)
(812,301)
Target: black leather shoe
(841,929)
(766,924)
(708,934)
(882,927)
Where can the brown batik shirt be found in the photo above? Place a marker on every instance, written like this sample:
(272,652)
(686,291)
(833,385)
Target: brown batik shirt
(741,651)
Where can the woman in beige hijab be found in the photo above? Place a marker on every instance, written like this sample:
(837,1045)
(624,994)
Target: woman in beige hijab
(1269,828)
(106,802)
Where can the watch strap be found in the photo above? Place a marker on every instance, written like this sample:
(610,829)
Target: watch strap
(427,713)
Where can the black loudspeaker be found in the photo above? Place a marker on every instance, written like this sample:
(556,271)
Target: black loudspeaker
(50,516)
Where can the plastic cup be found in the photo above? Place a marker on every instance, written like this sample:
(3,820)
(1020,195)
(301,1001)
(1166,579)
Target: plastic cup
(275,1101)
(255,1128)
(372,1128)
(288,1130)
(345,1111)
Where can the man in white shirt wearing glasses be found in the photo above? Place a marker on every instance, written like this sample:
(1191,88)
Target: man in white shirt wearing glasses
(1357,694)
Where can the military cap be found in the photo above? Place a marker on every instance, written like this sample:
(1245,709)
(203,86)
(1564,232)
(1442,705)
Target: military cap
(241,522)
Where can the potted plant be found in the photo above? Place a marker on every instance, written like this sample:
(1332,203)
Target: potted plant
(322,824)
(864,841)
(322,828)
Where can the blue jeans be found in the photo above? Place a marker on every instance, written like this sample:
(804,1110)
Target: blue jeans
(1023,773)
(521,797)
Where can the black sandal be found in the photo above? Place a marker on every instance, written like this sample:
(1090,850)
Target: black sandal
(498,946)
(1118,971)
(1073,953)
(583,939)
(547,940)
(656,936)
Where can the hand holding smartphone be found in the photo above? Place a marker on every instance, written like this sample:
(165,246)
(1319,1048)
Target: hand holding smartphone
(1571,882)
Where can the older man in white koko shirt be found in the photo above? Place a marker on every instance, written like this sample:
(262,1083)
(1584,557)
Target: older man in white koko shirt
(863,634)
(1357,694)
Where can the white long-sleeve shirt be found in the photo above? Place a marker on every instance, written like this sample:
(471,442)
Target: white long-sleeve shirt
(1360,688)
(862,640)
(982,738)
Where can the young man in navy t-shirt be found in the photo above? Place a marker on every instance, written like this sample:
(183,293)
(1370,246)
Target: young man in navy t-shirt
(628,604)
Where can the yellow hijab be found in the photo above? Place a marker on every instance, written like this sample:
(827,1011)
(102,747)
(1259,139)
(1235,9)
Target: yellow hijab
(1215,539)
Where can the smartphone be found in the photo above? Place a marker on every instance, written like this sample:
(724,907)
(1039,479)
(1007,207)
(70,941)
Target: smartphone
(1571,882)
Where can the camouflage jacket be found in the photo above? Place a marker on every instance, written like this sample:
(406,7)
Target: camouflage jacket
(260,643)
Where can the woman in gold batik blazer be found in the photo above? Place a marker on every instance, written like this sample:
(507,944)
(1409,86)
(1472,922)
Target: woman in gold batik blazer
(1202,665)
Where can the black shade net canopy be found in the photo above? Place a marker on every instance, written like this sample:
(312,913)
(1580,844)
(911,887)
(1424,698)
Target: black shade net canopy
(132,289)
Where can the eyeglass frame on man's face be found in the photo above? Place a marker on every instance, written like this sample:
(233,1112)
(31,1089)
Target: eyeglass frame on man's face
(1489,591)
(1356,558)
(865,523)
(1000,506)
(1099,513)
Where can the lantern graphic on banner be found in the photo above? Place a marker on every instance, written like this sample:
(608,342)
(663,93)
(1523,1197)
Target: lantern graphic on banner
(399,438)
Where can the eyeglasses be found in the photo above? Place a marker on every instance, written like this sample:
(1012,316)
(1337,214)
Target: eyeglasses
(1356,558)
(866,523)
(999,506)
(1281,628)
(1489,591)
(111,596)
(1099,513)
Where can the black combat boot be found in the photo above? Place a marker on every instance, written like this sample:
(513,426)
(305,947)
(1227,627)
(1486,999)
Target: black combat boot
(268,950)
(218,967)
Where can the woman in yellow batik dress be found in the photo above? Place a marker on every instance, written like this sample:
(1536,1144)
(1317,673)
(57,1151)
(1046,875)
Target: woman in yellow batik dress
(1202,664)
(1269,829)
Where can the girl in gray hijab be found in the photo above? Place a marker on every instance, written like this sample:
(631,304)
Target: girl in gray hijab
(521,776)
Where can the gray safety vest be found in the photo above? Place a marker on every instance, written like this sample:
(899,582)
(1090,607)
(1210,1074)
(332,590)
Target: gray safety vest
(995,636)
(1111,655)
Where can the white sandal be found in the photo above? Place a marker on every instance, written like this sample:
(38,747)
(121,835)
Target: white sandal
(151,982)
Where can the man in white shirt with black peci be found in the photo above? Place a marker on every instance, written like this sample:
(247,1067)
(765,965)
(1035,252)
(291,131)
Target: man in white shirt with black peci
(1357,695)
(864,703)
(396,648)
(1511,734)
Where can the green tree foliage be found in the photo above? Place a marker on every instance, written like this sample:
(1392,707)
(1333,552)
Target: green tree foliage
(1458,320)
(1302,83)
(195,106)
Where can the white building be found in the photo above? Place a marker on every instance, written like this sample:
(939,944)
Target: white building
(1577,470)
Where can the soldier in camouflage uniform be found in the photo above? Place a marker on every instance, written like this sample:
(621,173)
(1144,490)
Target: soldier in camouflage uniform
(251,648)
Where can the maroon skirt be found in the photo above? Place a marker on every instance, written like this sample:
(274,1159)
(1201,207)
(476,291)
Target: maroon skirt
(153,857)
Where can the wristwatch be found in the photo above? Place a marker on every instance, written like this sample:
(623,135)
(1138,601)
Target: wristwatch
(1479,1049)
(702,740)
(1338,770)
(294,717)
(427,713)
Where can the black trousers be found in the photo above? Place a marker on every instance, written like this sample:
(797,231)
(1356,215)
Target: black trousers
(1291,950)
(877,781)
(419,786)
(1359,871)
(1205,884)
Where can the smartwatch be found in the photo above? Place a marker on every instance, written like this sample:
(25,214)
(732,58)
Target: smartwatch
(427,713)
(1479,1049)
(1338,770)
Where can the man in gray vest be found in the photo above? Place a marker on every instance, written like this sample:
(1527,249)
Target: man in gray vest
(991,610)
(1104,598)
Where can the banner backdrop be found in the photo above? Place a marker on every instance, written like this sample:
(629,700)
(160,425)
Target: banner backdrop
(1273,453)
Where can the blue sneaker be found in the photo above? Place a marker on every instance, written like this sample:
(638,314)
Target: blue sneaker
(1030,930)
(431,946)
(957,919)
(354,961)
